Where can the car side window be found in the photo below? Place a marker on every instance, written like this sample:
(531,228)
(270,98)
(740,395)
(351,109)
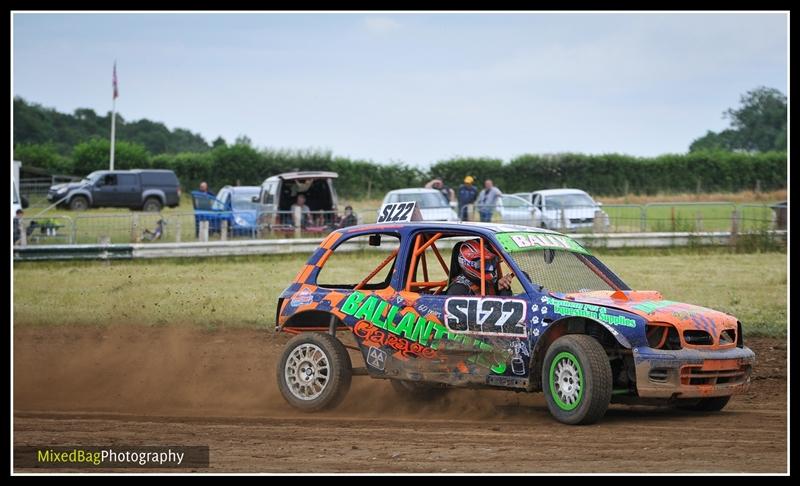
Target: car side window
(108,180)
(127,180)
(537,201)
(371,262)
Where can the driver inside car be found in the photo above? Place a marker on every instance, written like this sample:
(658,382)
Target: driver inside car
(468,281)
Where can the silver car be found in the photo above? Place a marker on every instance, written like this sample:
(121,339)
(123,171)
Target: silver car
(432,203)
(513,209)
(566,209)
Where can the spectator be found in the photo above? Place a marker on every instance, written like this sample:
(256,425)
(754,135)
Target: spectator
(467,193)
(349,219)
(437,184)
(303,210)
(204,188)
(487,200)
(18,225)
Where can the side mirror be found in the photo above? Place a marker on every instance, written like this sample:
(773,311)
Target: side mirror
(374,240)
(256,199)
(24,201)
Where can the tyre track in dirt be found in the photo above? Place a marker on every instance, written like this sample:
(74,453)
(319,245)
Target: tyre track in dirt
(176,385)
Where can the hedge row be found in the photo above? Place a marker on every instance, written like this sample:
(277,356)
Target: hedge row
(616,175)
(600,175)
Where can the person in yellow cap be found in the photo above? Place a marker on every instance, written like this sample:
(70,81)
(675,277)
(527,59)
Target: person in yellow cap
(467,193)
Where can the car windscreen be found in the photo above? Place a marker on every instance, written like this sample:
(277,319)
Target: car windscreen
(424,200)
(558,263)
(568,200)
(243,200)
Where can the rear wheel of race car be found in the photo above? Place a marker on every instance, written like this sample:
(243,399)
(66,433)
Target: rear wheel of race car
(418,391)
(314,372)
(576,379)
(712,404)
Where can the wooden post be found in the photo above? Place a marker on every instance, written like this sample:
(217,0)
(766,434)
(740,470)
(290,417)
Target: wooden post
(563,219)
(178,231)
(698,221)
(135,228)
(598,222)
(223,231)
(672,213)
(204,231)
(643,218)
(734,225)
(23,235)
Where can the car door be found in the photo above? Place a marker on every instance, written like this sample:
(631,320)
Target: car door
(479,338)
(105,191)
(129,191)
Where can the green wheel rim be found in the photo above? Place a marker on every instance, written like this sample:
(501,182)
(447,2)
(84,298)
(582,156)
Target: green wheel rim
(566,381)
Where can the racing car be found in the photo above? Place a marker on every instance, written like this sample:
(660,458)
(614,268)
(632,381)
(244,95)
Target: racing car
(566,326)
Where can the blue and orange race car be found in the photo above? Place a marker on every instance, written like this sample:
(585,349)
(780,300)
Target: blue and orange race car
(570,327)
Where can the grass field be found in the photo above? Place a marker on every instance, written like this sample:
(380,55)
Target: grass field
(242,292)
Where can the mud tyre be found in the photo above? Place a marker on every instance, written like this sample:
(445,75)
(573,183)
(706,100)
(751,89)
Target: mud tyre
(577,380)
(314,372)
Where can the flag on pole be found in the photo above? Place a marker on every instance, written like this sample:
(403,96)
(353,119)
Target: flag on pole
(116,91)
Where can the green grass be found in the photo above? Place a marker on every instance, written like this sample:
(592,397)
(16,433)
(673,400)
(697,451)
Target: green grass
(242,291)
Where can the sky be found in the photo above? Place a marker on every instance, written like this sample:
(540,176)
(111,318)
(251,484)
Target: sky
(410,87)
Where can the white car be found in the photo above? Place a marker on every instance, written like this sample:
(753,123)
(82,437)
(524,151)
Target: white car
(566,209)
(431,203)
(516,210)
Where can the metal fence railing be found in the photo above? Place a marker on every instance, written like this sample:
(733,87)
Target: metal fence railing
(95,227)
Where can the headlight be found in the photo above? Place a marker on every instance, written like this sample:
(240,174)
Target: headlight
(662,335)
(62,190)
(239,221)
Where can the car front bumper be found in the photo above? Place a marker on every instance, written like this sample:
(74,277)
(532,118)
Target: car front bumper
(692,373)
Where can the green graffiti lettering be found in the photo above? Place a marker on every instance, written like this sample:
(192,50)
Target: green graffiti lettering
(367,309)
(351,304)
(406,324)
(422,331)
(376,317)
(393,310)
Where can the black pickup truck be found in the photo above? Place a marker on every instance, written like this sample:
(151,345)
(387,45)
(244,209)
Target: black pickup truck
(145,189)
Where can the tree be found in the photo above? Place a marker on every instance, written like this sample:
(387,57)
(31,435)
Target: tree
(758,125)
(94,154)
(219,142)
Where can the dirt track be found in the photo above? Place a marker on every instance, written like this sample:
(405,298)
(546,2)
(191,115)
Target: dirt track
(152,386)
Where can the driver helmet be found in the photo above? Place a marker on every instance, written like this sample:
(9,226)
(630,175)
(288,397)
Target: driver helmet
(469,259)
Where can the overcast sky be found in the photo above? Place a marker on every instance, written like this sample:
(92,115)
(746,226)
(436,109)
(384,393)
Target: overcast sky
(415,88)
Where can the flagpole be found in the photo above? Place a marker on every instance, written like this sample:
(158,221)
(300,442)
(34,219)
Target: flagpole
(113,115)
(113,129)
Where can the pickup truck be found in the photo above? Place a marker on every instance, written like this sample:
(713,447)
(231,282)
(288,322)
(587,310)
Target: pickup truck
(148,190)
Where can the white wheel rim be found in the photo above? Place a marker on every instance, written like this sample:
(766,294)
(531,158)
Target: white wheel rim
(567,382)
(307,371)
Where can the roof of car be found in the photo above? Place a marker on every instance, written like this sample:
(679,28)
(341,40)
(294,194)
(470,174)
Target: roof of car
(411,190)
(242,188)
(551,192)
(312,174)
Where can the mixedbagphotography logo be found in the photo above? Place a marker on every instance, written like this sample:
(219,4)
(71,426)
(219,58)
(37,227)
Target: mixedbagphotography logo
(117,456)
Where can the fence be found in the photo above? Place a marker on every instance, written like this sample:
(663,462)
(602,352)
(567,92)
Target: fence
(136,227)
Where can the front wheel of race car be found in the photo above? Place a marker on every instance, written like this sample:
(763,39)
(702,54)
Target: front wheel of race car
(576,379)
(314,372)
